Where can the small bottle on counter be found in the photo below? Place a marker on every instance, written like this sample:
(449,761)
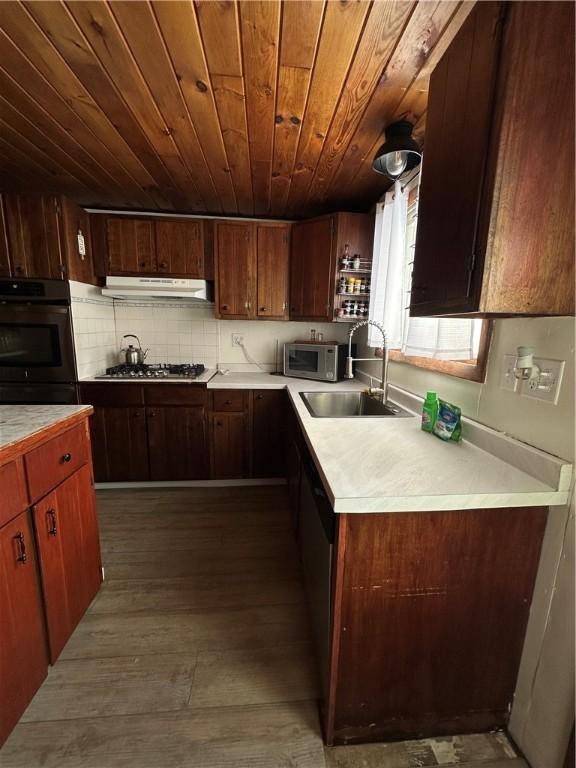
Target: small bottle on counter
(312,334)
(429,412)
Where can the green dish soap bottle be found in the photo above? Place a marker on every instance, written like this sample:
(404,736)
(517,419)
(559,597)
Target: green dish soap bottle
(429,412)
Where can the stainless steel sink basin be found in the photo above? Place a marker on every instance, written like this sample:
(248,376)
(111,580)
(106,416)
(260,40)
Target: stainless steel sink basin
(342,405)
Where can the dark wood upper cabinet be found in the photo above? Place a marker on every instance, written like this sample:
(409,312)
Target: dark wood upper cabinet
(177,442)
(23,657)
(74,232)
(312,276)
(268,432)
(33,236)
(272,256)
(496,213)
(317,245)
(180,248)
(235,270)
(131,246)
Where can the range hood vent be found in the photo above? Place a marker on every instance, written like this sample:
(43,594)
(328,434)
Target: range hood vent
(156,288)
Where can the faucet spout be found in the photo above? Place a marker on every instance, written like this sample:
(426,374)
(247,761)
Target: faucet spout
(350,360)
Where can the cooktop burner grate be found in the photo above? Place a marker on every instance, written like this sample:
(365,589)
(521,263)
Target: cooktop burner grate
(154,371)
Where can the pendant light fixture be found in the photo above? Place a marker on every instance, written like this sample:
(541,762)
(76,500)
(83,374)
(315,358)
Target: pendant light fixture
(399,153)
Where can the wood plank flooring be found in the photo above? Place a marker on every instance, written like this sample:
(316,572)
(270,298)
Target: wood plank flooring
(196,652)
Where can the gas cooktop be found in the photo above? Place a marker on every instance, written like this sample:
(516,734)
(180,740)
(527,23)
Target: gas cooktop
(154,371)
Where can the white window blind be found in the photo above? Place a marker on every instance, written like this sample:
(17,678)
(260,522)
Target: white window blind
(393,257)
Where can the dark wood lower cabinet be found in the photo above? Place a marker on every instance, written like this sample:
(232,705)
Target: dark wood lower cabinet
(228,445)
(177,442)
(119,444)
(69,552)
(184,432)
(429,617)
(269,432)
(23,657)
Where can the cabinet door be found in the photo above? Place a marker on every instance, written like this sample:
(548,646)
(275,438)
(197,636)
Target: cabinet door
(272,253)
(235,272)
(5,268)
(460,107)
(33,236)
(75,222)
(268,433)
(23,658)
(177,443)
(228,445)
(180,248)
(312,270)
(131,246)
(119,444)
(69,551)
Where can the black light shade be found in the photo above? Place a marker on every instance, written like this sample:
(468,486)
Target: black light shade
(399,153)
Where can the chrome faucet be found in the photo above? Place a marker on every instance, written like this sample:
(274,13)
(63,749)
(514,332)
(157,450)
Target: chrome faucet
(383,389)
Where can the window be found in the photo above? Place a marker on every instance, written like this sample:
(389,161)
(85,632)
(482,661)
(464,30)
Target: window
(456,346)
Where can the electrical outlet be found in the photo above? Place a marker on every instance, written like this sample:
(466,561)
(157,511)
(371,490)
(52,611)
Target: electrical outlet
(237,340)
(545,386)
(508,381)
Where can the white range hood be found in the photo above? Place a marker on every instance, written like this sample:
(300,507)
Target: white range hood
(156,288)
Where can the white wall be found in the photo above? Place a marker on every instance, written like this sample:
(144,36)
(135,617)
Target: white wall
(543,709)
(177,332)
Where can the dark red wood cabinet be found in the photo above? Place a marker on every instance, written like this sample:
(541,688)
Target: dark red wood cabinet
(252,268)
(500,107)
(119,443)
(316,247)
(269,407)
(177,442)
(180,248)
(23,652)
(70,564)
(50,568)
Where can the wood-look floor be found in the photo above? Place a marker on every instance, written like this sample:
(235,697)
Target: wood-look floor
(196,652)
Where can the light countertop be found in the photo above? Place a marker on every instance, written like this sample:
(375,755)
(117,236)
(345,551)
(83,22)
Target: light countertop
(390,465)
(19,423)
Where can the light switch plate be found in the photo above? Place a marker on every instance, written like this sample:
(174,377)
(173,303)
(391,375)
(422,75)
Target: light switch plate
(508,381)
(547,385)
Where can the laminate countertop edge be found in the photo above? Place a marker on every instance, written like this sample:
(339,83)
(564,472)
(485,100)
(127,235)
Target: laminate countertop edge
(390,465)
(43,422)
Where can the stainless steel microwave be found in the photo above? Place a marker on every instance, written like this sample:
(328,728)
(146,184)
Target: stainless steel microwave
(321,362)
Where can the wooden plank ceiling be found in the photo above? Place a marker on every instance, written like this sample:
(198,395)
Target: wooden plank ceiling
(257,107)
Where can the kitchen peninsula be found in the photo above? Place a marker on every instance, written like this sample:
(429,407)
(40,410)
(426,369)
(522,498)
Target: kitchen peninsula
(50,551)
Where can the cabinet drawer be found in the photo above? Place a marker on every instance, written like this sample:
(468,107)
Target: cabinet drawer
(174,394)
(112,393)
(229,400)
(49,464)
(12,491)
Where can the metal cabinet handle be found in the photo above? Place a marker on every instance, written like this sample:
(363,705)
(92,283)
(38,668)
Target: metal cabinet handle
(262,309)
(223,306)
(152,413)
(227,402)
(51,515)
(163,264)
(21,547)
(67,457)
(218,423)
(259,397)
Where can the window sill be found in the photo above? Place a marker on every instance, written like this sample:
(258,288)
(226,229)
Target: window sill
(472,370)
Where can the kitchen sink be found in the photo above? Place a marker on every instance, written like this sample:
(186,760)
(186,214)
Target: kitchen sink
(342,405)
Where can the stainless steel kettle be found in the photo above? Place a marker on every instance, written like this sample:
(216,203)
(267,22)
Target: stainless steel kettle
(133,355)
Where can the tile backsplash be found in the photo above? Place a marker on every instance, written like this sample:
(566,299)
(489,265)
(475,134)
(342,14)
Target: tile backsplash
(177,332)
